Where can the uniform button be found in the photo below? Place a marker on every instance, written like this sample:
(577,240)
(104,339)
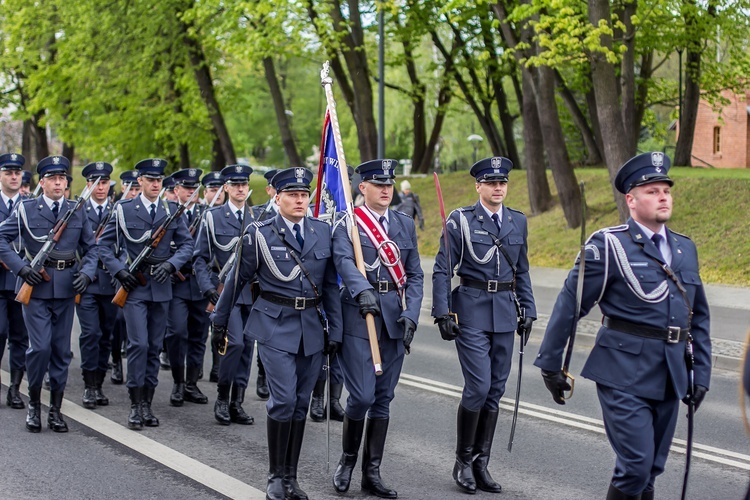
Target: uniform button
(672,318)
(671,295)
(620,344)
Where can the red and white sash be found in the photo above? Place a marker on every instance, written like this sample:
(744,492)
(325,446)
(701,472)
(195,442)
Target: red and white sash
(389,253)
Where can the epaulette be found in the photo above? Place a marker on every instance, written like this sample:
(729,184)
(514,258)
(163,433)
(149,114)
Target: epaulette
(122,202)
(680,234)
(614,229)
(402,213)
(516,211)
(470,208)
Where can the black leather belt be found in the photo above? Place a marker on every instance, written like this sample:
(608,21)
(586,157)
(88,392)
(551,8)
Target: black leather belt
(298,303)
(59,265)
(491,286)
(671,335)
(384,286)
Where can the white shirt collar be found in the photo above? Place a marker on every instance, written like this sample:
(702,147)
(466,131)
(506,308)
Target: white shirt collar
(50,201)
(290,225)
(378,216)
(15,199)
(94,204)
(649,233)
(232,207)
(490,213)
(146,202)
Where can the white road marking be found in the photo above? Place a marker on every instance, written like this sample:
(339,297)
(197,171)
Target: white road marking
(189,467)
(710,453)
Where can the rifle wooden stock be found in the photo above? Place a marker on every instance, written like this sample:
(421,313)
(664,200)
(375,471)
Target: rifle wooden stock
(78,298)
(211,306)
(24,294)
(120,297)
(180,276)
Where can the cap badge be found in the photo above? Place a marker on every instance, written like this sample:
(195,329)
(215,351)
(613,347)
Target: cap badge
(192,172)
(155,162)
(299,173)
(657,159)
(238,169)
(13,156)
(56,160)
(386,166)
(496,162)
(100,165)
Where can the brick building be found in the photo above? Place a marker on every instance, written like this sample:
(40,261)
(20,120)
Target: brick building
(722,139)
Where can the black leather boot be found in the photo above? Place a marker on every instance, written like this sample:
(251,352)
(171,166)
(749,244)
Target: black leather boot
(292,490)
(149,419)
(221,407)
(89,384)
(13,397)
(351,438)
(372,456)
(261,386)
(116,377)
(34,416)
(54,417)
(317,410)
(615,494)
(236,412)
(213,375)
(482,448)
(466,429)
(101,399)
(135,419)
(178,389)
(337,412)
(278,439)
(192,393)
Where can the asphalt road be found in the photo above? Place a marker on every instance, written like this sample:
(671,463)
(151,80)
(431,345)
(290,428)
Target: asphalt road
(560,452)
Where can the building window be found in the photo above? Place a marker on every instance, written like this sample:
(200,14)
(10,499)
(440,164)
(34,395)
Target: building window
(717,140)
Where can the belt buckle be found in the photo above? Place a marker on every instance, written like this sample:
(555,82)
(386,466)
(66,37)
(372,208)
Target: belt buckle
(60,265)
(383,286)
(673,335)
(151,270)
(299,303)
(492,286)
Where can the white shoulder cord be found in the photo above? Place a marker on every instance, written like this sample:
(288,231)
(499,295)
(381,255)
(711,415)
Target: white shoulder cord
(263,246)
(120,217)
(209,221)
(22,216)
(657,295)
(345,220)
(466,235)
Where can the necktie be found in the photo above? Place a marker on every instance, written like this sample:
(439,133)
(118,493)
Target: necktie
(298,235)
(496,218)
(10,205)
(239,216)
(656,238)
(99,209)
(55,209)
(153,211)
(384,223)
(190,217)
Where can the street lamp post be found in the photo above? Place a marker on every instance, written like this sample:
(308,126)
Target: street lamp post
(474,139)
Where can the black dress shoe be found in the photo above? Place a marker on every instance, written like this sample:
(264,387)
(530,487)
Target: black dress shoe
(116,377)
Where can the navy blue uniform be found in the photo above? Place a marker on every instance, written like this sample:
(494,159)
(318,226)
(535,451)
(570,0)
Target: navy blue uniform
(146,308)
(49,314)
(640,380)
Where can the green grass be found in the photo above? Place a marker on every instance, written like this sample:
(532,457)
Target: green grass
(710,205)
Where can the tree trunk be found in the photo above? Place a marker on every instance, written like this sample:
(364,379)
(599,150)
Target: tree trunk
(26,143)
(219,161)
(444,97)
(593,155)
(540,196)
(287,139)
(205,83)
(39,136)
(684,150)
(627,79)
(555,147)
(69,152)
(607,105)
(591,109)
(184,155)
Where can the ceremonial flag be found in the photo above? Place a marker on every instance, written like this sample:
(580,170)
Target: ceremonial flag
(330,197)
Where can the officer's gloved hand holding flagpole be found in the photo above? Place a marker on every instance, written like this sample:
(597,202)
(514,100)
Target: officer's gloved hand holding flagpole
(327,83)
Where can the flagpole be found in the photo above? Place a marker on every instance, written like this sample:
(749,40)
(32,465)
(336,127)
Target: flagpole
(327,83)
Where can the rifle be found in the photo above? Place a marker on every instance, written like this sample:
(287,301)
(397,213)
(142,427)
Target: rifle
(447,245)
(522,343)
(579,295)
(327,83)
(37,264)
(136,266)
(36,190)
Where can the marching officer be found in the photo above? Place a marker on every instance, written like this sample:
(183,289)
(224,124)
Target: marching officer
(488,247)
(96,312)
(262,212)
(221,230)
(49,312)
(129,187)
(290,255)
(213,183)
(187,323)
(645,279)
(12,327)
(145,310)
(25,182)
(391,291)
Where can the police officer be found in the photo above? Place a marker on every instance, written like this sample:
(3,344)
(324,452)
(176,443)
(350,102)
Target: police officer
(392,291)
(263,212)
(25,182)
(489,250)
(146,307)
(12,328)
(96,313)
(286,318)
(187,322)
(635,273)
(129,187)
(168,185)
(213,183)
(49,313)
(221,230)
